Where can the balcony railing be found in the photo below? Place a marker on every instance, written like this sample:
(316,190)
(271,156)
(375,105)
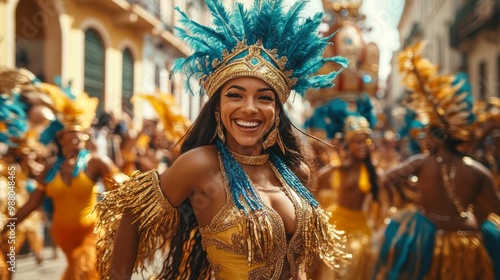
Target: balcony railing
(473,16)
(152,6)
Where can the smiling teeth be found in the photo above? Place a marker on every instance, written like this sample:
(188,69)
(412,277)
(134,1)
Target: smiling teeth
(247,124)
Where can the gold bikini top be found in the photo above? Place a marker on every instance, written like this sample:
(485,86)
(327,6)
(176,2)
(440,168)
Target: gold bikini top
(224,242)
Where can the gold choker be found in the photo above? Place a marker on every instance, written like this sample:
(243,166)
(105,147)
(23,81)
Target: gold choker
(250,160)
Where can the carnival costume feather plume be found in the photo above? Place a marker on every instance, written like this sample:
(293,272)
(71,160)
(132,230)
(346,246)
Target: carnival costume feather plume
(13,117)
(174,123)
(335,117)
(444,101)
(264,39)
(14,84)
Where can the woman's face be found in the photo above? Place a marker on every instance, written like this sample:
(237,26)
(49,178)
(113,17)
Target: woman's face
(247,110)
(359,145)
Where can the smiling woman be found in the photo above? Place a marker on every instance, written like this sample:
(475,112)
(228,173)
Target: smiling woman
(235,204)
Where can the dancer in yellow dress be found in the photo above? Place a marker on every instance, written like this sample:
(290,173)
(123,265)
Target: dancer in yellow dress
(235,203)
(347,188)
(70,181)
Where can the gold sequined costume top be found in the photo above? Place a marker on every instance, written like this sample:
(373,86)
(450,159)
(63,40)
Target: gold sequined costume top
(224,239)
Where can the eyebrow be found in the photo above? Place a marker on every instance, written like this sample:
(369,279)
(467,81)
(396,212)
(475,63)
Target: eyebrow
(244,89)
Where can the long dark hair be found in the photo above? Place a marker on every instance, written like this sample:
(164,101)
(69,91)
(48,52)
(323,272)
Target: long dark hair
(373,177)
(202,133)
(186,258)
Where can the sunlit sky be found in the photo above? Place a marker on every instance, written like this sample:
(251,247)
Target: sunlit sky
(382,17)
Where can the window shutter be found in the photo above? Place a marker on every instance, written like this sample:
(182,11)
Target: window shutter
(94,67)
(127,81)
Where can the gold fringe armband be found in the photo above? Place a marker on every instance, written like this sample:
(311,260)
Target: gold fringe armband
(141,197)
(322,239)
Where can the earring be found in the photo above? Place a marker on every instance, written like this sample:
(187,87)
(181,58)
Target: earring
(219,132)
(274,137)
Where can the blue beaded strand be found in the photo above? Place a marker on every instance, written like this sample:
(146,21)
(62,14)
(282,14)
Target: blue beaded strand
(292,180)
(239,183)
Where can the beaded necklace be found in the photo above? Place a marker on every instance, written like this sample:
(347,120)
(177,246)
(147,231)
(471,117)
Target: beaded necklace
(448,179)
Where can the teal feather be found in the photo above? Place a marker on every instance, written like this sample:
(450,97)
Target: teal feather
(205,33)
(221,20)
(365,109)
(241,20)
(291,17)
(13,116)
(279,29)
(194,42)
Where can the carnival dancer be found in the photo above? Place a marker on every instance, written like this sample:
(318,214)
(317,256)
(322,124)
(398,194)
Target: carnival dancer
(353,182)
(452,230)
(235,203)
(70,181)
(13,121)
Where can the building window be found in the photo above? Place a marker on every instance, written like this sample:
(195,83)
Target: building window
(94,67)
(482,81)
(127,81)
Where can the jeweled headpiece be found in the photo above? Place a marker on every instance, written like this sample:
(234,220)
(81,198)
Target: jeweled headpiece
(445,101)
(354,125)
(280,47)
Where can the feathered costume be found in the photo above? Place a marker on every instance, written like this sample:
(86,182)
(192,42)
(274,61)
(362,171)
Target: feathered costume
(414,248)
(72,222)
(246,239)
(335,118)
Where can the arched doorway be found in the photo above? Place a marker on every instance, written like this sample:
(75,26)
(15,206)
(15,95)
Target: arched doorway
(38,38)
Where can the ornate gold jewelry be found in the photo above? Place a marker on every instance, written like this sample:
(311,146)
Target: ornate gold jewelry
(450,191)
(273,137)
(355,125)
(250,160)
(219,132)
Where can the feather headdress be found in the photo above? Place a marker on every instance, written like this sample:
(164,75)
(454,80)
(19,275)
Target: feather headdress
(13,118)
(14,83)
(444,101)
(74,112)
(335,117)
(175,124)
(280,47)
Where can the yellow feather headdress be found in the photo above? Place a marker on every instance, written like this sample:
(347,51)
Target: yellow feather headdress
(444,101)
(175,124)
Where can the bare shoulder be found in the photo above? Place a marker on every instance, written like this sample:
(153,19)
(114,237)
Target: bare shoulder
(477,167)
(192,166)
(188,173)
(200,159)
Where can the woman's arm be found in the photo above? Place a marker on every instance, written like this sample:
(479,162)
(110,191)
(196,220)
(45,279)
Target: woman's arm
(34,201)
(393,177)
(137,218)
(125,248)
(488,199)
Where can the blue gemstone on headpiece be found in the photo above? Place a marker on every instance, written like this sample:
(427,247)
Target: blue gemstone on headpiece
(255,61)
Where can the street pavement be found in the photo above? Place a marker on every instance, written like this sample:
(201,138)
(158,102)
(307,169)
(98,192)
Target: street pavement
(51,268)
(27,267)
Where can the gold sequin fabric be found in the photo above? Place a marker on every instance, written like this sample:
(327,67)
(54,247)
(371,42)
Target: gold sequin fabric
(158,220)
(224,239)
